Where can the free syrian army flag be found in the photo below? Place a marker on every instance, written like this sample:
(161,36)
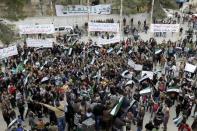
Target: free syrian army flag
(117,107)
(158,52)
(12,123)
(143,78)
(169,90)
(45,79)
(130,82)
(126,74)
(145,91)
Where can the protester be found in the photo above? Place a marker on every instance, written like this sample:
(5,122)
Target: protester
(194,125)
(184,126)
(166,117)
(149,126)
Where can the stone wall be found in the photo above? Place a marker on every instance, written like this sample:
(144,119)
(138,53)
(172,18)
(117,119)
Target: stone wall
(80,20)
(35,2)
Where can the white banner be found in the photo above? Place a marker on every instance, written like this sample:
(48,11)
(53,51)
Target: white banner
(82,10)
(149,74)
(190,68)
(103,27)
(115,39)
(9,51)
(45,43)
(37,29)
(138,67)
(165,27)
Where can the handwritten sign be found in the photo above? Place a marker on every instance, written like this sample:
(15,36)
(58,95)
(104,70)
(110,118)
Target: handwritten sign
(190,68)
(45,43)
(9,51)
(37,29)
(148,73)
(165,27)
(103,27)
(103,9)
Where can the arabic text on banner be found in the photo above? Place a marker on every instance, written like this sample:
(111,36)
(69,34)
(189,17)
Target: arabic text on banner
(61,10)
(103,27)
(165,27)
(37,29)
(9,51)
(45,43)
(115,39)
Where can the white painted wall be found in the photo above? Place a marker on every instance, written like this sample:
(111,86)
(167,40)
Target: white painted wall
(80,20)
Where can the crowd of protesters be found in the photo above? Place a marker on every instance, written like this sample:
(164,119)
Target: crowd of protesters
(76,87)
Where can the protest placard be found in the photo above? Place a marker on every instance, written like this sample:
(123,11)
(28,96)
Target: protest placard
(138,67)
(190,68)
(115,39)
(103,27)
(44,43)
(9,51)
(165,27)
(37,29)
(149,74)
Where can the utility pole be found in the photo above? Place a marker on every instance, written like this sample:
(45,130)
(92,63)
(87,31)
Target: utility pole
(51,3)
(121,16)
(151,21)
(151,15)
(52,11)
(88,4)
(41,6)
